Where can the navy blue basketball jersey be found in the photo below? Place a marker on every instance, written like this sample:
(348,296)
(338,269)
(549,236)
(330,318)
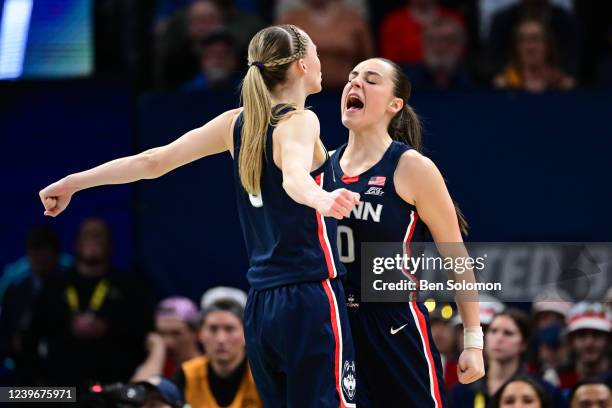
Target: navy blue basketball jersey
(381,216)
(286,242)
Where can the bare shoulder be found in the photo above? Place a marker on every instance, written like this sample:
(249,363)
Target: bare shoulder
(413,164)
(302,116)
(229,117)
(304,121)
(416,175)
(232,114)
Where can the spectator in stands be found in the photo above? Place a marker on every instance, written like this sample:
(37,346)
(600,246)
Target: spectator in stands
(588,330)
(550,309)
(281,7)
(444,48)
(161,393)
(218,65)
(92,323)
(41,258)
(241,25)
(342,36)
(552,357)
(178,48)
(591,394)
(221,378)
(444,337)
(506,342)
(551,353)
(25,280)
(521,391)
(165,10)
(533,65)
(401,32)
(557,20)
(174,341)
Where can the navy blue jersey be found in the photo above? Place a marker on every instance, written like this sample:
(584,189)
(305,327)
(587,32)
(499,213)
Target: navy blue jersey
(381,216)
(286,242)
(395,355)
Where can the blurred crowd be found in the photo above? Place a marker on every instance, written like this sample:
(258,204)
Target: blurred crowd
(77,320)
(531,45)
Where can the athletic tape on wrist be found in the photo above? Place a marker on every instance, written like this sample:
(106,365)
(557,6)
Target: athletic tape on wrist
(473,338)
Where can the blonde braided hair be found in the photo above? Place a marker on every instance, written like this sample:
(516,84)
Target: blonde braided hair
(271,51)
(299,49)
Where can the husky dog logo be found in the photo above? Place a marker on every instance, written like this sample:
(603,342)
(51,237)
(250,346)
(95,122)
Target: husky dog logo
(349,382)
(350,301)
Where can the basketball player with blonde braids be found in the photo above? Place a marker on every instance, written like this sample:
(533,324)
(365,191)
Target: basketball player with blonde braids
(296,325)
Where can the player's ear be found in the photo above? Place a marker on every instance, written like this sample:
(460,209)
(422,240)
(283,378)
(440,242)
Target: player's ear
(301,66)
(395,105)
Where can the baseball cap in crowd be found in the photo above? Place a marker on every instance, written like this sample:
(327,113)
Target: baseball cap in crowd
(489,307)
(166,388)
(552,301)
(223,293)
(589,315)
(180,308)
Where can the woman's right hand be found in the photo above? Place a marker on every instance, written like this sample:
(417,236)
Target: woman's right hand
(338,204)
(55,197)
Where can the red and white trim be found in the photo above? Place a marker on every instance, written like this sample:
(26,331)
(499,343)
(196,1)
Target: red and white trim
(323,239)
(419,318)
(421,326)
(414,218)
(337,329)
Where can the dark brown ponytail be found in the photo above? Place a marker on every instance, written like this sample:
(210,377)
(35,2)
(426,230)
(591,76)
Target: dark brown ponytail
(406,126)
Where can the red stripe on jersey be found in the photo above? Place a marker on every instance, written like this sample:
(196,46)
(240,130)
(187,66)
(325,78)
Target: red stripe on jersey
(407,240)
(333,317)
(411,232)
(331,271)
(433,376)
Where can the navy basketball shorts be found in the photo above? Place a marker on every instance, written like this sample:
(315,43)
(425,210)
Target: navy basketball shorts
(398,363)
(299,345)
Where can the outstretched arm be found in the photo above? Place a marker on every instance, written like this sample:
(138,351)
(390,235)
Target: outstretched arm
(419,182)
(214,137)
(297,137)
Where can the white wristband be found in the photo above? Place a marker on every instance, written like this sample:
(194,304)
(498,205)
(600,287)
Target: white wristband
(473,338)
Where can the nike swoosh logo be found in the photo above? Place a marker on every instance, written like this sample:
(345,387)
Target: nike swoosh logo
(393,331)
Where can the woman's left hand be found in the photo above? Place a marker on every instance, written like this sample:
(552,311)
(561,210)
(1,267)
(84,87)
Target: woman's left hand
(471,366)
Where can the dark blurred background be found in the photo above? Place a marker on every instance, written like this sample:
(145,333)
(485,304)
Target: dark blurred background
(515,97)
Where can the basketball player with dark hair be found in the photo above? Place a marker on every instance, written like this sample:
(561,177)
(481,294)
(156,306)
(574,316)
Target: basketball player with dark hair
(397,361)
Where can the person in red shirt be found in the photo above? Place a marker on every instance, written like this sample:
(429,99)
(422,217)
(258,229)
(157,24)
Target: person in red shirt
(401,31)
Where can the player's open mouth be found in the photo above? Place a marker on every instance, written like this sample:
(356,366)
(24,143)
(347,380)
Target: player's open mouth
(353,103)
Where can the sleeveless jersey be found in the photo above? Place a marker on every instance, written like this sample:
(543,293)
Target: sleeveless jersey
(381,216)
(286,242)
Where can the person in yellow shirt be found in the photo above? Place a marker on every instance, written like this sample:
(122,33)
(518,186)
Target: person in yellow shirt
(222,377)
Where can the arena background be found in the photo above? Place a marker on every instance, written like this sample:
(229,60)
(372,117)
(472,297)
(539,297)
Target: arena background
(522,167)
